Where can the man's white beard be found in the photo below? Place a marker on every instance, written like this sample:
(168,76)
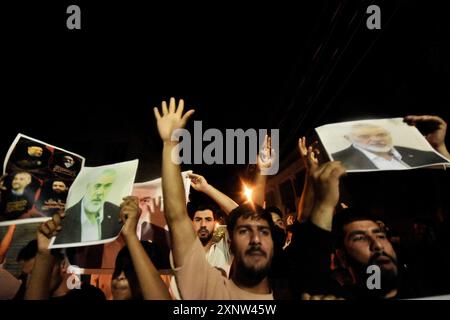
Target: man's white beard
(373,148)
(92,208)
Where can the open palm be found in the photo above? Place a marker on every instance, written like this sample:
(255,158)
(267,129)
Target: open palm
(172,118)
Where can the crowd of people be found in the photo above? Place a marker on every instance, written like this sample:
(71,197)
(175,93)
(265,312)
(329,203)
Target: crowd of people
(328,251)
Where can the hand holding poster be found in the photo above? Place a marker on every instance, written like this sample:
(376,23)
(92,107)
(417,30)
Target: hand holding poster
(378,144)
(93,205)
(36,179)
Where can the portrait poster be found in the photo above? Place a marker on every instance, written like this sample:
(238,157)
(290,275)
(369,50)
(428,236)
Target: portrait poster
(378,144)
(36,179)
(93,205)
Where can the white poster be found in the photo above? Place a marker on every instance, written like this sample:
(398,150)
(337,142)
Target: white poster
(93,205)
(378,144)
(152,225)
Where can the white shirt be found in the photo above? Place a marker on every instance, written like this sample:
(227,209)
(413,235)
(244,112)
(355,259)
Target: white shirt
(91,231)
(395,163)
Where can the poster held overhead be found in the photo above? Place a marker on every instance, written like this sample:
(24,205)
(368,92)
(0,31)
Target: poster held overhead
(378,144)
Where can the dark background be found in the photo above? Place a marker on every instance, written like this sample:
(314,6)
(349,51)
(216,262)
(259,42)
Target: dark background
(293,67)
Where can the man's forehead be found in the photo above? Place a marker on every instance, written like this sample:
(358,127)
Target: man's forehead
(22,175)
(204,213)
(361,225)
(253,221)
(144,192)
(368,130)
(105,178)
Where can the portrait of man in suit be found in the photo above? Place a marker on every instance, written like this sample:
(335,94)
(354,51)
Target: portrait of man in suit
(92,218)
(18,200)
(372,148)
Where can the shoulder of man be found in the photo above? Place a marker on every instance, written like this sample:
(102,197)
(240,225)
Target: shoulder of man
(344,153)
(419,155)
(111,207)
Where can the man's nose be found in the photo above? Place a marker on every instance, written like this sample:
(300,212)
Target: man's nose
(375,244)
(255,238)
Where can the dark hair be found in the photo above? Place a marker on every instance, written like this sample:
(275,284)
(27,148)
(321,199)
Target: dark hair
(349,215)
(248,210)
(275,210)
(193,207)
(30,251)
(124,263)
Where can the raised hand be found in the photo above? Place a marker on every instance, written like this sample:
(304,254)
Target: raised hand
(437,132)
(156,212)
(326,183)
(47,230)
(267,155)
(198,182)
(172,118)
(308,154)
(129,215)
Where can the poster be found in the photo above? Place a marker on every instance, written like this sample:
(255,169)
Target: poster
(378,144)
(36,180)
(93,205)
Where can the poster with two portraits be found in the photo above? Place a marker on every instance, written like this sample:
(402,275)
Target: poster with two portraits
(378,144)
(35,181)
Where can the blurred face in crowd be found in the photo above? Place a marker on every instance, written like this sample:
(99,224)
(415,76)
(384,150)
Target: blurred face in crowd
(59,187)
(204,224)
(252,246)
(278,221)
(120,288)
(35,151)
(98,190)
(371,138)
(366,244)
(68,161)
(20,181)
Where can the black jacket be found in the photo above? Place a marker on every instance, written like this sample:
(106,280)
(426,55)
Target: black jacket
(71,224)
(353,159)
